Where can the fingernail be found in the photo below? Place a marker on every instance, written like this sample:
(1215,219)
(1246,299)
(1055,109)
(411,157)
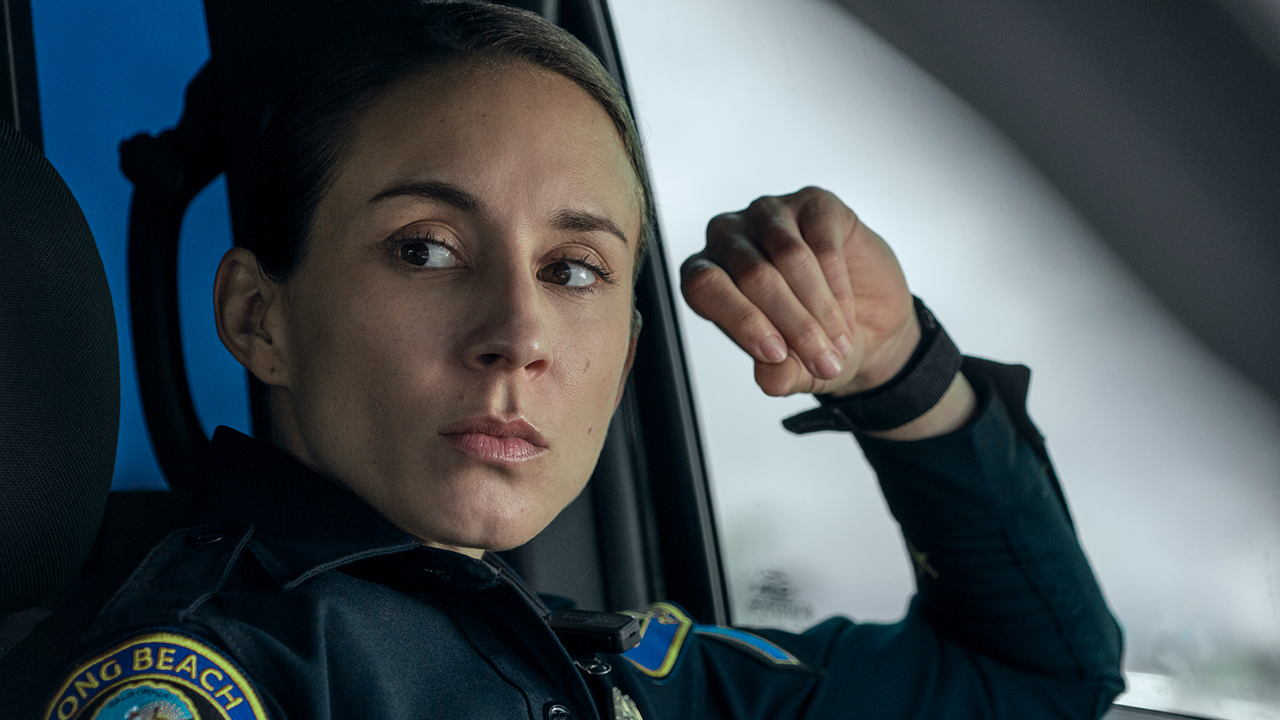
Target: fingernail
(774,349)
(828,365)
(843,345)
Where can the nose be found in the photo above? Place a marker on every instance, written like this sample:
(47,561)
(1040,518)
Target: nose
(511,326)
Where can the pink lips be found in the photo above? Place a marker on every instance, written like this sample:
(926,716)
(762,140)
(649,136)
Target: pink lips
(493,440)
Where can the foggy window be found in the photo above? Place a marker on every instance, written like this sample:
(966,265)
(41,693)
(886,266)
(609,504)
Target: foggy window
(1169,458)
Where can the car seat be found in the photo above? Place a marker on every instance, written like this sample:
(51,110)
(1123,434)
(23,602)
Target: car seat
(59,387)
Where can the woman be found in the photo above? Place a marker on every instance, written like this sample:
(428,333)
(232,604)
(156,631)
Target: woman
(435,292)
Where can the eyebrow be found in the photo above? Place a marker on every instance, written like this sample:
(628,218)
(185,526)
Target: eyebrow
(583,221)
(459,199)
(450,195)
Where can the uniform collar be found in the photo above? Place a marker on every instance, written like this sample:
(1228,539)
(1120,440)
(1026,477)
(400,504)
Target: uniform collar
(303,523)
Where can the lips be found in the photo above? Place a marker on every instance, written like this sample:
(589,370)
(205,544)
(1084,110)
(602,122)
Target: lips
(492,439)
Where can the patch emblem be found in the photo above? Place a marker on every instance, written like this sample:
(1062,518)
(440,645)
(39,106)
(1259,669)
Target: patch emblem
(157,676)
(663,631)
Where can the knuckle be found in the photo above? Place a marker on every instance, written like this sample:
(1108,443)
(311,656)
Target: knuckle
(765,205)
(696,277)
(810,337)
(819,211)
(826,243)
(758,279)
(829,315)
(775,234)
(787,250)
(693,264)
(814,195)
(816,202)
(723,225)
(747,321)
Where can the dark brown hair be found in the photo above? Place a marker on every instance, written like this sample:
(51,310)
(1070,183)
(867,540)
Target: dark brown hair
(310,131)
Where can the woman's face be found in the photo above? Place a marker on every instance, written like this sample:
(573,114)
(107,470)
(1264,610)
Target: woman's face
(456,337)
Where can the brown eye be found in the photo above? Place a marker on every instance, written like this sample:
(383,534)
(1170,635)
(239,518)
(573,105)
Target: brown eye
(567,273)
(427,254)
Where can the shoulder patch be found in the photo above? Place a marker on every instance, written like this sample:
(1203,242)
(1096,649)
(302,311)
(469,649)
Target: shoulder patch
(155,675)
(753,644)
(663,630)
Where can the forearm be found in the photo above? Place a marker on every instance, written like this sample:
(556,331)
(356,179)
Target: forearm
(998,565)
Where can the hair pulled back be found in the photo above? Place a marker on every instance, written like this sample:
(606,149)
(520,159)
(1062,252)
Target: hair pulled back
(310,131)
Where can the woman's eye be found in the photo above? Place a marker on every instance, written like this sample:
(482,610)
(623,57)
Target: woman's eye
(427,254)
(568,274)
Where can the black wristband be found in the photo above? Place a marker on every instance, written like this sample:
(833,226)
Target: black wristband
(917,387)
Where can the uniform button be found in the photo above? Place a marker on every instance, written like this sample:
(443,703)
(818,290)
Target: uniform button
(555,711)
(205,537)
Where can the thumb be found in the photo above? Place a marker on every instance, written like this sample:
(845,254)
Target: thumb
(784,378)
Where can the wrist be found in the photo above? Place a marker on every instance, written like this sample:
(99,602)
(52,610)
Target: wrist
(890,359)
(955,408)
(917,388)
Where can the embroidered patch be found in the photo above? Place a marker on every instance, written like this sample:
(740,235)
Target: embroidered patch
(750,642)
(663,631)
(157,676)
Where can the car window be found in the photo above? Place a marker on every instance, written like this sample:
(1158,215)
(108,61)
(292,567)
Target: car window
(1168,456)
(106,72)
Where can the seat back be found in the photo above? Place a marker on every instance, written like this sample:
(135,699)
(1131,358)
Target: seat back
(59,379)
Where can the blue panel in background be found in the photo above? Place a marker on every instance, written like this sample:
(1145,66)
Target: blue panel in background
(108,70)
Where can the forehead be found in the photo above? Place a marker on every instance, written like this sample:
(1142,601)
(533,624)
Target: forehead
(523,137)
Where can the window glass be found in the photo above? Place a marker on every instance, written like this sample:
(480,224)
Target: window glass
(106,71)
(1169,458)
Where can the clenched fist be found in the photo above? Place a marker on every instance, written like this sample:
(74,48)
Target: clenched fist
(814,296)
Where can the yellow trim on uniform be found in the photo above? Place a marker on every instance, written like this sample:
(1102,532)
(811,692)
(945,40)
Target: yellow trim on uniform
(217,682)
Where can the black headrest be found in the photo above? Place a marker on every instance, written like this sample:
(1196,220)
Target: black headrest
(59,379)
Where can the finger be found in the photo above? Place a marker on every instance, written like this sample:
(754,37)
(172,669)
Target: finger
(763,284)
(796,255)
(712,294)
(826,225)
(784,378)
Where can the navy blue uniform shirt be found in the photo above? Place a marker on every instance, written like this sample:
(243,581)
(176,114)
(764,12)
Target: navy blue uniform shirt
(297,600)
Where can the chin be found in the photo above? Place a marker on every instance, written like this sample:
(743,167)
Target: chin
(479,510)
(484,530)
(505,539)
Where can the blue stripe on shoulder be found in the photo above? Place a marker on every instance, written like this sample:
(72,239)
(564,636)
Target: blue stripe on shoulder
(750,642)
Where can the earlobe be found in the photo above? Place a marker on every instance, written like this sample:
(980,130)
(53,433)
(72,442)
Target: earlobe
(244,307)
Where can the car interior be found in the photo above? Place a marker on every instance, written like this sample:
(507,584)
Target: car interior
(644,529)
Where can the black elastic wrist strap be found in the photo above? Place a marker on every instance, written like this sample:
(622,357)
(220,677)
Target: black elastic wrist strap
(917,387)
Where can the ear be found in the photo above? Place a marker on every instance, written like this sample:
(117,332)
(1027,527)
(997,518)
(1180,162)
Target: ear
(246,308)
(631,358)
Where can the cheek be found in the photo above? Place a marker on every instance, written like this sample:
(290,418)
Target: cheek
(595,370)
(376,349)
